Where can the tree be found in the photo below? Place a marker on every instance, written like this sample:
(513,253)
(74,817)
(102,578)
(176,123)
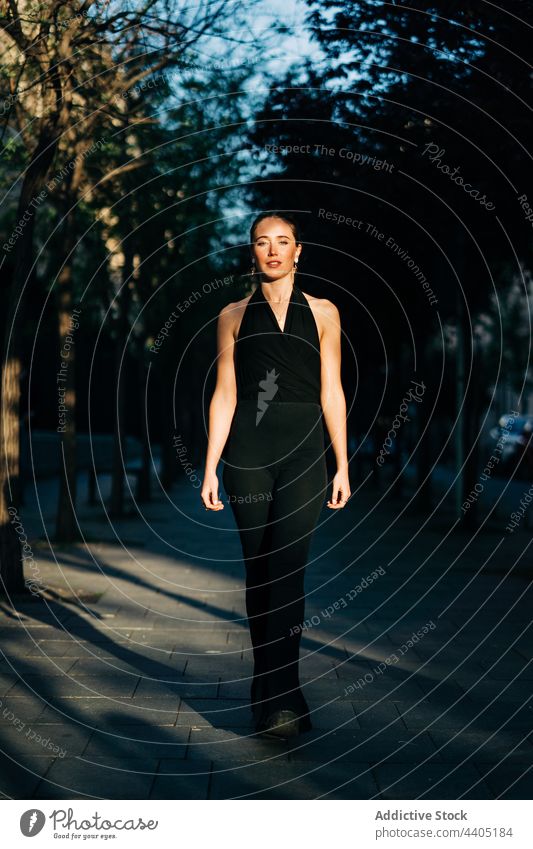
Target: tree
(69,66)
(400,86)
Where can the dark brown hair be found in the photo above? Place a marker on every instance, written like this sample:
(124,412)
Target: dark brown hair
(275,213)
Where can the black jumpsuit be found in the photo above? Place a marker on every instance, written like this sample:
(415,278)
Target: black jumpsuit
(276,481)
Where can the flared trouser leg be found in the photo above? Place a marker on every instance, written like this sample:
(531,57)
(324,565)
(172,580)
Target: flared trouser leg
(276,509)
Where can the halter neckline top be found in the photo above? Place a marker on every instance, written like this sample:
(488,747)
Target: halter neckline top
(285,363)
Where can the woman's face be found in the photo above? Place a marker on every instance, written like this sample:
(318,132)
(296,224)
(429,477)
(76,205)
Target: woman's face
(274,248)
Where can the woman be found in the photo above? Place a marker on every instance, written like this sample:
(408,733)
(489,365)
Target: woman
(278,373)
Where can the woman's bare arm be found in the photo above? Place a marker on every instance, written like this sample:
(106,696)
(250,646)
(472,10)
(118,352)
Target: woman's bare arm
(332,398)
(223,403)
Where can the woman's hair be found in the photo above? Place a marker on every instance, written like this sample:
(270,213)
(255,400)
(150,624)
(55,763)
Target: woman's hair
(285,216)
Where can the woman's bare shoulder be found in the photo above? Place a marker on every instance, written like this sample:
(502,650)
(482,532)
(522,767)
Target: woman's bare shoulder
(323,310)
(233,312)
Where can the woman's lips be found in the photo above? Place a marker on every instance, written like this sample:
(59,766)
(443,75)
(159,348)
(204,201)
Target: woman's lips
(274,263)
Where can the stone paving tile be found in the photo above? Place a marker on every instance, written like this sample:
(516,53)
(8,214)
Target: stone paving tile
(327,641)
(25,708)
(186,632)
(433,715)
(187,625)
(81,686)
(471,652)
(503,692)
(229,668)
(509,668)
(461,676)
(184,688)
(98,778)
(394,690)
(444,690)
(222,663)
(312,664)
(108,671)
(378,715)
(48,648)
(445,629)
(326,674)
(393,745)
(37,617)
(351,670)
(338,714)
(220,713)
(138,741)
(167,634)
(483,748)
(471,715)
(443,670)
(157,666)
(93,632)
(177,779)
(508,715)
(430,781)
(275,780)
(105,666)
(324,691)
(524,648)
(218,745)
(99,712)
(235,690)
(38,665)
(72,739)
(7,683)
(110,648)
(19,777)
(238,637)
(508,781)
(151,644)
(21,642)
(200,643)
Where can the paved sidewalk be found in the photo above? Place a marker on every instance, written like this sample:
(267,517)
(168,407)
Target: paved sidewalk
(132,679)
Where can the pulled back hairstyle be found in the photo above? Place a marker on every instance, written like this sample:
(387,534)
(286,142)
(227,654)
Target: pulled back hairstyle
(284,216)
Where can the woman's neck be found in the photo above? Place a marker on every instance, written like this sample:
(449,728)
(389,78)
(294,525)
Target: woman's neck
(278,291)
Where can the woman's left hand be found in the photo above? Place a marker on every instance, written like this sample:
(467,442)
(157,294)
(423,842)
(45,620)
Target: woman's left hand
(340,491)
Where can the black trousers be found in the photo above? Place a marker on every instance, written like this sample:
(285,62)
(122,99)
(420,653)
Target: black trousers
(275,478)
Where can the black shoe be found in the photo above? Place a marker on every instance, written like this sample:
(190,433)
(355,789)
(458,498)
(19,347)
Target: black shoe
(281,723)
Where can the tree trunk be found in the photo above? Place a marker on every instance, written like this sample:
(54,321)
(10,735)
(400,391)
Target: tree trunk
(423,499)
(143,481)
(31,195)
(459,408)
(473,404)
(424,490)
(67,529)
(397,487)
(168,457)
(11,571)
(116,507)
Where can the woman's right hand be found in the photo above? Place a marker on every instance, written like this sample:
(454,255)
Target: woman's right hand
(209,493)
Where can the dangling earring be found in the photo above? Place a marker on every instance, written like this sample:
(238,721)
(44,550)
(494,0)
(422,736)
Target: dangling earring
(252,271)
